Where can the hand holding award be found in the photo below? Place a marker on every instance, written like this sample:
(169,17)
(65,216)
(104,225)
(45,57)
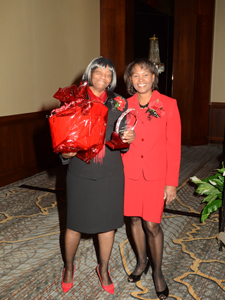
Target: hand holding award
(126,122)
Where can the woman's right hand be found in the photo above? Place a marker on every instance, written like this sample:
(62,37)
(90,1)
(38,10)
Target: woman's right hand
(128,136)
(69,155)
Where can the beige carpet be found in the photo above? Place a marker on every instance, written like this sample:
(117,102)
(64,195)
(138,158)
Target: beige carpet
(32,220)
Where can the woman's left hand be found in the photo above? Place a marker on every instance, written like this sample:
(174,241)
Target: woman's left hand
(169,193)
(128,136)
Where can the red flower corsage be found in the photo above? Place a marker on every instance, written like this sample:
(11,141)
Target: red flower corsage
(120,103)
(155,109)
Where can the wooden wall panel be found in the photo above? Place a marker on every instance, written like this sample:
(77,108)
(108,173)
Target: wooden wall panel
(203,69)
(183,62)
(193,41)
(25,147)
(116,35)
(216,123)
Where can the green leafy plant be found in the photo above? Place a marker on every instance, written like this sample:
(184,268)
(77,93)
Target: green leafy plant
(212,187)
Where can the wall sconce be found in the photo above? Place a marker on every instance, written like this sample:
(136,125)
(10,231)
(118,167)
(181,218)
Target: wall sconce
(154,54)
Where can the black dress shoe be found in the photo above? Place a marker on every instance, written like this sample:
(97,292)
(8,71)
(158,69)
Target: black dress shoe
(134,278)
(164,294)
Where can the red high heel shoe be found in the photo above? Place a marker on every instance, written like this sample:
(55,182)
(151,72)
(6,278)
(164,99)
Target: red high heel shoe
(108,288)
(67,286)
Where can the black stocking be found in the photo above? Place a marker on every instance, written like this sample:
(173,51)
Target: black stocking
(72,239)
(105,240)
(155,241)
(139,241)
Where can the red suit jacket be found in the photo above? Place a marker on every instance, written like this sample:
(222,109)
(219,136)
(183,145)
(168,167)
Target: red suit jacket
(156,150)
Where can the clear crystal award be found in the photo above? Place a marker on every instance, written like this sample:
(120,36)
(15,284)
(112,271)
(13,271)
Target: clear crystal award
(127,121)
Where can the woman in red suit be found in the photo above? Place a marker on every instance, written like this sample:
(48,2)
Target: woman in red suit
(151,167)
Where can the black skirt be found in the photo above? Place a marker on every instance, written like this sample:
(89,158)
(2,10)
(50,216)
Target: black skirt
(95,206)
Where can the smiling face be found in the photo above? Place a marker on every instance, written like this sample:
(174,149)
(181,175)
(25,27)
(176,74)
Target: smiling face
(100,80)
(142,79)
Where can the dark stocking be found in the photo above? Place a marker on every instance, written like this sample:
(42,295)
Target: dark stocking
(139,241)
(72,239)
(105,247)
(155,240)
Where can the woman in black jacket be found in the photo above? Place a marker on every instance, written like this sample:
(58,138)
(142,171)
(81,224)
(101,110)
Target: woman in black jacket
(95,191)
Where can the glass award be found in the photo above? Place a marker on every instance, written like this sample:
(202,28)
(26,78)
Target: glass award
(127,121)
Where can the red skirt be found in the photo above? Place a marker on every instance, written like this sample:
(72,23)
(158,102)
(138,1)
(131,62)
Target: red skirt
(144,198)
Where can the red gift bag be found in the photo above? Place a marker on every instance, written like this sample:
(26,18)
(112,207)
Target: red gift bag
(79,125)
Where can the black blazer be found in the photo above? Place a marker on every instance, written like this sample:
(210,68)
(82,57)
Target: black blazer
(112,162)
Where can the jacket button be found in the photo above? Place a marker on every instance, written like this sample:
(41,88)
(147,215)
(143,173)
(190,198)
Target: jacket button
(142,140)
(142,156)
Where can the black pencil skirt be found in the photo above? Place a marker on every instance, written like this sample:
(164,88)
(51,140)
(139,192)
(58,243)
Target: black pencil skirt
(95,206)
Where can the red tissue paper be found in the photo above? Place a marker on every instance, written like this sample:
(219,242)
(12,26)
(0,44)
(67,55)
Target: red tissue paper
(79,125)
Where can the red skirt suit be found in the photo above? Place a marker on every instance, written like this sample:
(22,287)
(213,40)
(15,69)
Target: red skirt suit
(153,159)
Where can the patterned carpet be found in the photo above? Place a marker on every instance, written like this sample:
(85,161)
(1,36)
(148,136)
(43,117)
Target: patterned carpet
(32,220)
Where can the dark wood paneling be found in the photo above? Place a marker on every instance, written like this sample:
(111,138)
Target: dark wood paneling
(25,147)
(129,32)
(116,35)
(216,122)
(203,69)
(193,40)
(183,61)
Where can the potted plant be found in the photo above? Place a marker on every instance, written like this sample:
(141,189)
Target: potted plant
(212,187)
